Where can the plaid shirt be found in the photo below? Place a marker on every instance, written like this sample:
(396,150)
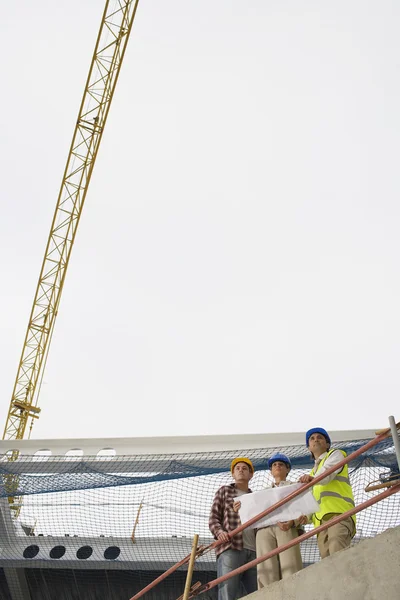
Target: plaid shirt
(224,518)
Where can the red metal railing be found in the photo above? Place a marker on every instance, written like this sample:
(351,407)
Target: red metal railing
(208,586)
(205,549)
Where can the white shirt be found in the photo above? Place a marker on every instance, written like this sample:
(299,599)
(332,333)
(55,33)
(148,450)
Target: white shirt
(281,483)
(249,535)
(332,460)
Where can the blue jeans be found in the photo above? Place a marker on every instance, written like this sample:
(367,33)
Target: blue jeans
(239,585)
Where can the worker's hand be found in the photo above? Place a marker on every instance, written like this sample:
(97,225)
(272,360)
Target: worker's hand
(306,478)
(236,505)
(223,536)
(285,525)
(303,520)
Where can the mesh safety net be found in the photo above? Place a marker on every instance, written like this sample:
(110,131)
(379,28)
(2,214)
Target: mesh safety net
(122,520)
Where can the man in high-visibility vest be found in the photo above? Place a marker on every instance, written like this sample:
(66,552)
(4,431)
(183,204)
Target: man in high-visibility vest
(333,494)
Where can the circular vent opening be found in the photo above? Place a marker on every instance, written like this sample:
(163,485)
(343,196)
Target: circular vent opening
(31,551)
(84,552)
(57,552)
(112,553)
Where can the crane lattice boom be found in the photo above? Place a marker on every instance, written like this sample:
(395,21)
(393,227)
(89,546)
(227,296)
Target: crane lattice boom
(104,70)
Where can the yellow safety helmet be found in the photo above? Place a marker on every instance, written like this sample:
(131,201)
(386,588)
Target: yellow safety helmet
(244,460)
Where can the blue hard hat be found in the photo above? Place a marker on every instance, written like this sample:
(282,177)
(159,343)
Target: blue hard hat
(282,458)
(320,430)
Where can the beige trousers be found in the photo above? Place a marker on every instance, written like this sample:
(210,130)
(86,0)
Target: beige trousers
(336,537)
(279,566)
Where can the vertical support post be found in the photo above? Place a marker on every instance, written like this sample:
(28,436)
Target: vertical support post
(136,522)
(190,567)
(396,440)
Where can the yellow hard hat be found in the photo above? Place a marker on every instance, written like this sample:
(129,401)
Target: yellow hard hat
(244,460)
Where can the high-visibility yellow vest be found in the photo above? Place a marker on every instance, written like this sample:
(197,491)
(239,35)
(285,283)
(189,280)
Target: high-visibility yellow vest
(336,496)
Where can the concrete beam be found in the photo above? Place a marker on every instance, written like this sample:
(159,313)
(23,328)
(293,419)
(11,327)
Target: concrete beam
(367,571)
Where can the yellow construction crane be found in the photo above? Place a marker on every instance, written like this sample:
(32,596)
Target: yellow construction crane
(103,75)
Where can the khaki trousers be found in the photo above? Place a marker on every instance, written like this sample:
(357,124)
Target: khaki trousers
(336,537)
(280,566)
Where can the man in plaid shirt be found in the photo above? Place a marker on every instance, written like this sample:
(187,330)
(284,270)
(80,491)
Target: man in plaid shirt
(239,549)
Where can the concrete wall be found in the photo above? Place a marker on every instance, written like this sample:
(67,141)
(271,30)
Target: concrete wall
(368,571)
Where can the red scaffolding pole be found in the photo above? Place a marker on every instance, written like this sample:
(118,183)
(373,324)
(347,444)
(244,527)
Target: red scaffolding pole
(204,549)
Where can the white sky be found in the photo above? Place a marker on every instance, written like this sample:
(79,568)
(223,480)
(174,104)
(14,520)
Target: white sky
(236,269)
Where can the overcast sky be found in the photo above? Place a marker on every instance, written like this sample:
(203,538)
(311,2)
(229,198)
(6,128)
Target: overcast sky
(236,268)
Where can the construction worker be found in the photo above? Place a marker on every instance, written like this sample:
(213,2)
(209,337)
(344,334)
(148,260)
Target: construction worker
(241,548)
(333,494)
(268,538)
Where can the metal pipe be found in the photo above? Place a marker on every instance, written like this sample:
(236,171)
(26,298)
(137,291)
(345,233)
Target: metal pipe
(208,586)
(204,549)
(396,440)
(189,575)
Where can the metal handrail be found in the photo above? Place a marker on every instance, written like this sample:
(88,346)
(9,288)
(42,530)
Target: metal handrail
(196,590)
(382,435)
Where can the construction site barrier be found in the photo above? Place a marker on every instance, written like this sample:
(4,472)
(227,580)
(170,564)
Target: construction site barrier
(204,549)
(197,590)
